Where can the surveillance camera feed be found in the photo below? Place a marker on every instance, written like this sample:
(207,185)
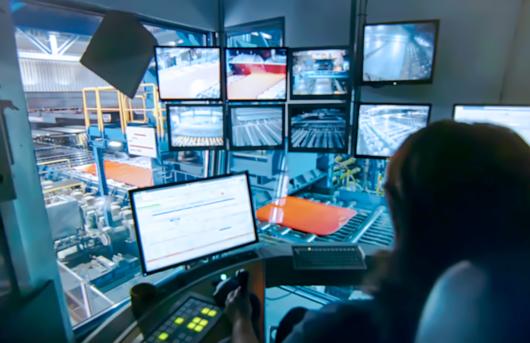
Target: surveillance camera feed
(320,72)
(186,73)
(516,118)
(318,128)
(196,126)
(256,74)
(382,128)
(399,52)
(257,127)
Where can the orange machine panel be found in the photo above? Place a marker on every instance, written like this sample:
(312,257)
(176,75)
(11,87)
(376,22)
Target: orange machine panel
(126,173)
(306,215)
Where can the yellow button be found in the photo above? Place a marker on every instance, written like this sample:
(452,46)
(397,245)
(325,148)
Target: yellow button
(205,310)
(196,320)
(212,313)
(204,322)
(191,326)
(163,336)
(199,328)
(179,320)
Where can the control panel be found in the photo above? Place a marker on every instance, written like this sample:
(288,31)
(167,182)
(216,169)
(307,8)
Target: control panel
(189,323)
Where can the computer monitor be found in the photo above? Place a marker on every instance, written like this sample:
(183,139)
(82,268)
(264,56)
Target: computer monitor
(381,128)
(318,128)
(516,118)
(178,223)
(320,73)
(195,127)
(256,127)
(402,52)
(188,73)
(256,74)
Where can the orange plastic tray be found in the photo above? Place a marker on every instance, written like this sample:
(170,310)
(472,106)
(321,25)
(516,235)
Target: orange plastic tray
(126,173)
(306,215)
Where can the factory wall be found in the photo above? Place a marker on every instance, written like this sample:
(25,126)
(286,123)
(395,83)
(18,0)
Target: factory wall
(474,48)
(517,82)
(201,14)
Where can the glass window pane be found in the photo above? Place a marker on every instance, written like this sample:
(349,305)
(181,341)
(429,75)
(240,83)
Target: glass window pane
(259,34)
(80,124)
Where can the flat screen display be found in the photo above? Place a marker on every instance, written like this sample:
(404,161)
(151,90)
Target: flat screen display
(516,118)
(179,223)
(399,52)
(256,74)
(382,128)
(195,127)
(188,73)
(256,127)
(320,73)
(318,128)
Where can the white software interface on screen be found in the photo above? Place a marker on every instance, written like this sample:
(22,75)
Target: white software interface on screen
(183,222)
(516,118)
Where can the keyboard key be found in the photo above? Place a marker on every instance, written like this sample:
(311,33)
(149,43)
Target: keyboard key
(212,313)
(163,336)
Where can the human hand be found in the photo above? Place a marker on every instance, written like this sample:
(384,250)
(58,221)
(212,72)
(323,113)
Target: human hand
(237,305)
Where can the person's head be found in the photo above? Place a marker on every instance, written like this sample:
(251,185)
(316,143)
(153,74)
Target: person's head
(455,191)
(458,191)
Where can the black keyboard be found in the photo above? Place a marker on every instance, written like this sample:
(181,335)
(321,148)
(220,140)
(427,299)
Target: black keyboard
(328,256)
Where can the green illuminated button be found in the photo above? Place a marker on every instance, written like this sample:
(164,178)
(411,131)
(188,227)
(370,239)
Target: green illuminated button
(204,322)
(212,313)
(197,320)
(199,328)
(179,320)
(163,336)
(205,310)
(191,326)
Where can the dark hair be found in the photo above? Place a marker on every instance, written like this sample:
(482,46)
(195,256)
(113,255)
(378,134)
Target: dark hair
(456,191)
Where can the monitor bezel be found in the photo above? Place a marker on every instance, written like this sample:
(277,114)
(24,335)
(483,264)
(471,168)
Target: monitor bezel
(344,106)
(290,63)
(189,47)
(225,83)
(430,80)
(180,183)
(202,147)
(355,135)
(233,147)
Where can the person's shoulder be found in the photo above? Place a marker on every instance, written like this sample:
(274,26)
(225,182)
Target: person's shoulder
(334,322)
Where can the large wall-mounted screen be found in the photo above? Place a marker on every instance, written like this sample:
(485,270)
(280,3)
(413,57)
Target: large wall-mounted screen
(400,52)
(256,74)
(256,127)
(188,73)
(195,127)
(318,128)
(320,73)
(381,128)
(516,118)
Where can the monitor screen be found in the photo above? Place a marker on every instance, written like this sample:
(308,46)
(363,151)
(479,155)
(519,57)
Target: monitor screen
(381,128)
(256,127)
(320,73)
(188,73)
(399,52)
(318,128)
(195,127)
(516,118)
(256,74)
(178,223)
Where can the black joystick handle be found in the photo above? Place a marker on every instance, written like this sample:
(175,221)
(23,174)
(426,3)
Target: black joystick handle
(242,279)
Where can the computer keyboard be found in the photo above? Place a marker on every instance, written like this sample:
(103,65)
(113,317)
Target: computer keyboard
(328,256)
(188,324)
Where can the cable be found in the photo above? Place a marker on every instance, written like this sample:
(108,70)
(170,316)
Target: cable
(288,293)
